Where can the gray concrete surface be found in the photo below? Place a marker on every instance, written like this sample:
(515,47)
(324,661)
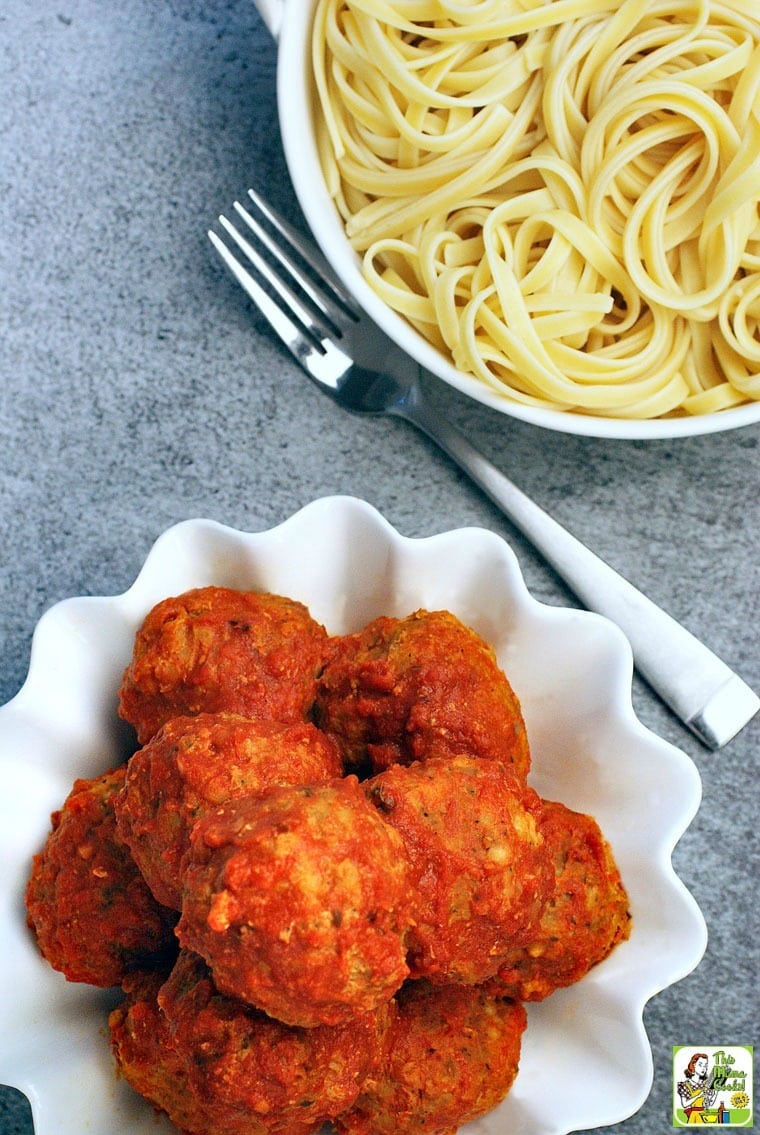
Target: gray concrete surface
(139,389)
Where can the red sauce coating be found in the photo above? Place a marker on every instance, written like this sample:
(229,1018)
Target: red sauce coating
(213,649)
(481,873)
(403,690)
(290,1079)
(453,1056)
(92,912)
(196,763)
(299,900)
(586,915)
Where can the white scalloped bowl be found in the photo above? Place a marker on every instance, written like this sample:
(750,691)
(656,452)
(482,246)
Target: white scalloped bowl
(572,671)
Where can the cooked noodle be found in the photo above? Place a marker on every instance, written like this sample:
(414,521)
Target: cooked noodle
(561,195)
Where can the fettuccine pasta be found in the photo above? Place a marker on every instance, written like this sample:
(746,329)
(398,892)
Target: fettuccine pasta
(562,195)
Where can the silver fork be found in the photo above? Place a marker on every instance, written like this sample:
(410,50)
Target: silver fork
(353,361)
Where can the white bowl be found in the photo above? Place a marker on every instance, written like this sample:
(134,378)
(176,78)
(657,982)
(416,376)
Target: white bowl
(290,23)
(572,671)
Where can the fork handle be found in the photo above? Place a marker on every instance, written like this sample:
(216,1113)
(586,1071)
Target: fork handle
(708,697)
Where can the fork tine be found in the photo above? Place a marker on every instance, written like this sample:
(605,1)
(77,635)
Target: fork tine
(309,320)
(305,248)
(293,335)
(312,345)
(286,261)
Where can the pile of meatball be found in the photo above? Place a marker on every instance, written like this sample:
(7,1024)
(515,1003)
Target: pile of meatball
(322,880)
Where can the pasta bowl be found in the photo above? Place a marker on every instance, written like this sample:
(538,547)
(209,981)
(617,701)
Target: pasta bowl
(290,21)
(572,671)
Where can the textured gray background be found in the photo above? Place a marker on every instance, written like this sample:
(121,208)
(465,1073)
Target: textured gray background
(138,389)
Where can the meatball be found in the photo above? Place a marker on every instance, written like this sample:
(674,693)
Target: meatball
(410,689)
(214,649)
(288,1079)
(453,1056)
(586,915)
(196,763)
(299,900)
(480,869)
(92,912)
(146,1057)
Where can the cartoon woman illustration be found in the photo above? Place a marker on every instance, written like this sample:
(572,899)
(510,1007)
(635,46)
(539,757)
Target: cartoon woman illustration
(696,1091)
